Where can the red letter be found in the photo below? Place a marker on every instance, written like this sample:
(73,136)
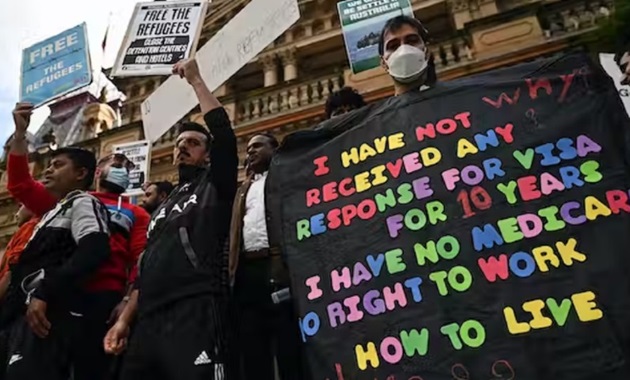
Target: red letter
(567,79)
(322,169)
(312,197)
(330,191)
(394,167)
(429,131)
(499,103)
(506,133)
(617,201)
(463,118)
(527,188)
(533,88)
(345,187)
(492,267)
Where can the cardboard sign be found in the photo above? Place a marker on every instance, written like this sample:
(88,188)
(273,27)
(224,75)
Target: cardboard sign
(238,42)
(362,22)
(55,66)
(139,153)
(612,69)
(476,230)
(159,35)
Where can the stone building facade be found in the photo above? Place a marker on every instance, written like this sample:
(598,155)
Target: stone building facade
(285,87)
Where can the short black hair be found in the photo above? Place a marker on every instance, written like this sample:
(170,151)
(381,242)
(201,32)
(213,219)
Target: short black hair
(195,127)
(346,97)
(81,159)
(272,139)
(163,187)
(395,23)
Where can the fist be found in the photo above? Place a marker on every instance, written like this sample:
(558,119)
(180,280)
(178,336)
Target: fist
(22,117)
(188,69)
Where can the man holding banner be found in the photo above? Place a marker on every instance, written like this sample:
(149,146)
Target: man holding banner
(182,292)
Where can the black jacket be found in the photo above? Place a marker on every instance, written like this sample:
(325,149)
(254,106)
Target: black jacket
(186,250)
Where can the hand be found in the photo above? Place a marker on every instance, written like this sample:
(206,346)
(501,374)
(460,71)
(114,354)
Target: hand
(188,69)
(115,340)
(22,117)
(36,317)
(113,316)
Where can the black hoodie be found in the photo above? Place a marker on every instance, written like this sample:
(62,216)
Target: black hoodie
(185,254)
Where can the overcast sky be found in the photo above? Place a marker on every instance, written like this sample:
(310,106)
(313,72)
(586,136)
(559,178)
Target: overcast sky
(25,22)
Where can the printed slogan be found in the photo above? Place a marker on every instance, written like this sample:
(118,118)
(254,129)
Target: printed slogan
(465,232)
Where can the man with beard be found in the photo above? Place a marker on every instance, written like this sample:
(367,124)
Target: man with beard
(182,291)
(405,55)
(155,194)
(109,288)
(68,246)
(257,267)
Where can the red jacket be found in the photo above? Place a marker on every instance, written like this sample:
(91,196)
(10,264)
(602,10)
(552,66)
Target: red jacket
(128,227)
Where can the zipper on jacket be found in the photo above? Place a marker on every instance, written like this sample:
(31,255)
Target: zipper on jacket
(188,249)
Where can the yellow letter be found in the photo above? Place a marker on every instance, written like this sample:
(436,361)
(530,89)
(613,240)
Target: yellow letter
(396,141)
(465,147)
(568,253)
(585,307)
(363,357)
(351,157)
(545,253)
(514,327)
(362,182)
(430,156)
(366,151)
(594,208)
(539,321)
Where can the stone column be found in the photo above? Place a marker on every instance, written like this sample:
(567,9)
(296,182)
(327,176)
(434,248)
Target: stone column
(270,69)
(289,61)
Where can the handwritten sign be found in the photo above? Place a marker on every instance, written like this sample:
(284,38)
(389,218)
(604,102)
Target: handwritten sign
(612,69)
(159,35)
(238,42)
(362,22)
(478,230)
(55,66)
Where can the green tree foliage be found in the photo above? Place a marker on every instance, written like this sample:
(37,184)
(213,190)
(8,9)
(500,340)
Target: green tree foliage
(614,34)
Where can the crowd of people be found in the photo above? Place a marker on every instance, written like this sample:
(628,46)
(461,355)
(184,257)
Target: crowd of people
(180,286)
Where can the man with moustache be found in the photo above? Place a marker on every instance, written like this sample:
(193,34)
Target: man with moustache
(257,268)
(155,194)
(182,292)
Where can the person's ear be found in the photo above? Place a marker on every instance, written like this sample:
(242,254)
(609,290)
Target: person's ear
(81,175)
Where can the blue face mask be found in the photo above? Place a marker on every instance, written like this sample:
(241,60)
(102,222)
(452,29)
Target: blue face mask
(118,176)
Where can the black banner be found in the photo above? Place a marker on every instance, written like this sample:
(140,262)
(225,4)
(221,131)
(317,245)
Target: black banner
(478,230)
(156,50)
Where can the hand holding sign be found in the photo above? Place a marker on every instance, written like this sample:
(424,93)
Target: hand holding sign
(22,118)
(189,70)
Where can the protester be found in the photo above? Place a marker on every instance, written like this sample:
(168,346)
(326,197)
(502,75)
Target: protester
(343,101)
(404,54)
(26,222)
(155,193)
(182,292)
(69,244)
(110,287)
(266,329)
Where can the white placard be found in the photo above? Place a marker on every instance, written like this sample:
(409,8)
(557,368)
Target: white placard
(611,68)
(139,153)
(247,34)
(159,35)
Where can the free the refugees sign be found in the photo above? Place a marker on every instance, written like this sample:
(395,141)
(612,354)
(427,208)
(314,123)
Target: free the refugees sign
(55,66)
(159,35)
(476,230)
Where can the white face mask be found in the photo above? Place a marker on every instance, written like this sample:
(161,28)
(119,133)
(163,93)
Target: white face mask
(407,63)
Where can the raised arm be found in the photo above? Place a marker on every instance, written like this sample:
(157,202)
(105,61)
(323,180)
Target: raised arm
(223,153)
(21,185)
